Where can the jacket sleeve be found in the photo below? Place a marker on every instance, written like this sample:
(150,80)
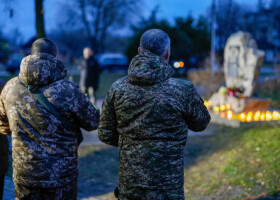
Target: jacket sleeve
(4,124)
(86,113)
(107,130)
(196,114)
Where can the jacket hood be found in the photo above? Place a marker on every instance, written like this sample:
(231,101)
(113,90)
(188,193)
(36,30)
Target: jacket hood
(41,69)
(148,69)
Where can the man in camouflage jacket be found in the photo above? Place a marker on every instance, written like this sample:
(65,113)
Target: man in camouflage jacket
(44,150)
(147,114)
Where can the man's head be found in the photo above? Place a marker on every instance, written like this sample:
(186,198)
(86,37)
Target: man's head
(157,42)
(44,45)
(88,52)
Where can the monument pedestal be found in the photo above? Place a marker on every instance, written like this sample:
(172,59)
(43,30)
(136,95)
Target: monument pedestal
(239,105)
(234,105)
(217,119)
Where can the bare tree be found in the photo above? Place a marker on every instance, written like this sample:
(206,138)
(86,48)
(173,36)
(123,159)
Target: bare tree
(229,19)
(40,25)
(99,16)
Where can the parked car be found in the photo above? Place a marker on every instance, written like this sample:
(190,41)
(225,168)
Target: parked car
(13,64)
(112,61)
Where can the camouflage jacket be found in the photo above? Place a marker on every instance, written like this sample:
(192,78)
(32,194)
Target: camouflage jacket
(44,150)
(147,114)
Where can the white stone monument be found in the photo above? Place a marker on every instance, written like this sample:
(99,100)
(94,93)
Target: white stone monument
(242,62)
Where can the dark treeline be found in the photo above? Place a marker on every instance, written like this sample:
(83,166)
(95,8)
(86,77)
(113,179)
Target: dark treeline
(116,25)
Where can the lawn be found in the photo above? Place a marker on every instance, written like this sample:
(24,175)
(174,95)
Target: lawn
(236,163)
(105,82)
(232,164)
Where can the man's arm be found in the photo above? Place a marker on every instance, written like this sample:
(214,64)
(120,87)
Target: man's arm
(196,114)
(87,114)
(4,124)
(107,129)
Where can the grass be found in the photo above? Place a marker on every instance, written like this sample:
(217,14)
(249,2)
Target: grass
(239,163)
(105,82)
(232,164)
(98,170)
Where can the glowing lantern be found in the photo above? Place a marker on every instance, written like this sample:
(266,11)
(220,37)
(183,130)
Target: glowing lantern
(275,115)
(228,106)
(222,107)
(257,116)
(242,116)
(268,116)
(223,115)
(229,114)
(262,116)
(216,109)
(249,117)
(206,104)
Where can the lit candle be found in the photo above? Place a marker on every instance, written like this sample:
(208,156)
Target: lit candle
(242,116)
(229,115)
(228,106)
(275,115)
(206,104)
(222,107)
(216,109)
(249,117)
(257,116)
(268,116)
(262,116)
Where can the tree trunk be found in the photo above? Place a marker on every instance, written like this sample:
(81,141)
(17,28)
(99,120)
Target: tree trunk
(40,26)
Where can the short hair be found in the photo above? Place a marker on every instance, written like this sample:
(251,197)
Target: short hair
(156,41)
(44,45)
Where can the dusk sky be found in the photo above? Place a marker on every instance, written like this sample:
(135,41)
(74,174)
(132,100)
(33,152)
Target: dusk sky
(24,18)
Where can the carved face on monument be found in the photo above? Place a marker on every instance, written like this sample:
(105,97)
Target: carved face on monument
(242,62)
(233,57)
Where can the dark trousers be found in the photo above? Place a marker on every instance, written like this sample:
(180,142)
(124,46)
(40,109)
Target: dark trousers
(67,192)
(2,178)
(145,194)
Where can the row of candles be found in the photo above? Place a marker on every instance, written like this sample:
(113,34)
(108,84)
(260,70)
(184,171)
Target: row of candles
(225,112)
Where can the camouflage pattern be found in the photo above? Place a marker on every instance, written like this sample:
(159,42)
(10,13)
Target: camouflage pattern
(147,114)
(67,192)
(146,194)
(44,150)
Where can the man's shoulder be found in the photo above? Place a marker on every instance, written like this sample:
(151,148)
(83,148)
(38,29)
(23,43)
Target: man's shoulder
(181,83)
(9,86)
(64,84)
(119,83)
(12,81)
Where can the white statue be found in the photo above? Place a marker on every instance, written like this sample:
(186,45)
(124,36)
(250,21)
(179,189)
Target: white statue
(242,62)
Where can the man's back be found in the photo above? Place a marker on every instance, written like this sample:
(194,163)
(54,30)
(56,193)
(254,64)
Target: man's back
(44,149)
(147,115)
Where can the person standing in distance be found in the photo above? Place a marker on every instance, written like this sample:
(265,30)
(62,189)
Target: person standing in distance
(44,146)
(89,74)
(147,115)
